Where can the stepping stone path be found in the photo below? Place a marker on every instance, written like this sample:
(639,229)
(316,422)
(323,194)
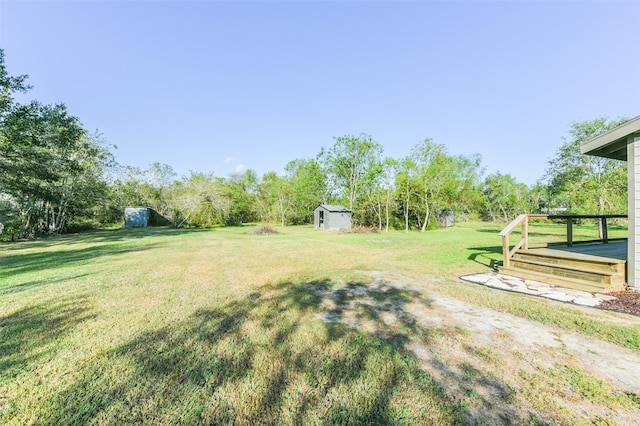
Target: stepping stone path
(537,288)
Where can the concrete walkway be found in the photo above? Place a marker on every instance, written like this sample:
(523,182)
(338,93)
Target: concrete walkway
(537,288)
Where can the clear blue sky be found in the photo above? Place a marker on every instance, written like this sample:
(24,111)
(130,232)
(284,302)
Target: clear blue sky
(212,86)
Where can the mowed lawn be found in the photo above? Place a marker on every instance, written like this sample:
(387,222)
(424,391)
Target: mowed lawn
(163,326)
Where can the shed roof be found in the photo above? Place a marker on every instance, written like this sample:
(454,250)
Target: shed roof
(613,144)
(334,208)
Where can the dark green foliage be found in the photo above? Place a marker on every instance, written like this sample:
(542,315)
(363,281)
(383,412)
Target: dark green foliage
(353,164)
(504,198)
(587,184)
(9,85)
(50,167)
(53,176)
(308,182)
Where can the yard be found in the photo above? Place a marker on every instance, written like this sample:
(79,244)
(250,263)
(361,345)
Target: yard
(163,326)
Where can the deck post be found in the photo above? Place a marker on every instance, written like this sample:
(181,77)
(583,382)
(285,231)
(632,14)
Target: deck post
(605,231)
(505,251)
(525,233)
(570,231)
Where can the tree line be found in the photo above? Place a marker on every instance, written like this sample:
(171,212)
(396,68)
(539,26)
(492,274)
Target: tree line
(56,177)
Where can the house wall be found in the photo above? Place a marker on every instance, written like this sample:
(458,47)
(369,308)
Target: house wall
(633,248)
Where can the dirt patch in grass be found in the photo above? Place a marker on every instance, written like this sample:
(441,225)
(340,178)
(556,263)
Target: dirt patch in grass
(627,301)
(501,369)
(263,230)
(359,229)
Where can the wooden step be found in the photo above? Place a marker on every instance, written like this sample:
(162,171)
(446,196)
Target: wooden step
(565,271)
(573,283)
(576,260)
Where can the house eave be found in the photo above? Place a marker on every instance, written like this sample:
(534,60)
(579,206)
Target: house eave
(613,144)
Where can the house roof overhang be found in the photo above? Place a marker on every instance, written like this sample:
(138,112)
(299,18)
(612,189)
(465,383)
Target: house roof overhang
(613,144)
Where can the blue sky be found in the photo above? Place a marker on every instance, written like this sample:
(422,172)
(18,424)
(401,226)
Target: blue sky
(218,86)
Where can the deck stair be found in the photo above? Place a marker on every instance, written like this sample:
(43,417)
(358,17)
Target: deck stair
(573,270)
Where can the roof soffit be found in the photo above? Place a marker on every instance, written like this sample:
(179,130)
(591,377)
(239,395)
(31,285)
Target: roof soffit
(613,144)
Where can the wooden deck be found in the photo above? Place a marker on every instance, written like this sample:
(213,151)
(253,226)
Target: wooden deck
(596,266)
(613,249)
(592,267)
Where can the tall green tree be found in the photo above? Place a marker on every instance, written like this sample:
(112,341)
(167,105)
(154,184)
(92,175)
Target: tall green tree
(240,190)
(84,194)
(159,178)
(49,165)
(8,86)
(381,198)
(353,164)
(309,188)
(465,196)
(407,187)
(197,200)
(434,168)
(274,198)
(126,189)
(583,183)
(446,181)
(504,197)
(51,168)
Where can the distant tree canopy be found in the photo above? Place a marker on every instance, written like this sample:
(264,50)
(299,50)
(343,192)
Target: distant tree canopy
(55,176)
(504,198)
(583,183)
(353,165)
(50,167)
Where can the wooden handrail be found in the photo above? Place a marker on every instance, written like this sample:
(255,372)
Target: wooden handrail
(517,221)
(523,220)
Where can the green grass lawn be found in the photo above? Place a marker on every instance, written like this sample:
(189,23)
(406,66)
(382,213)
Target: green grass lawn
(164,326)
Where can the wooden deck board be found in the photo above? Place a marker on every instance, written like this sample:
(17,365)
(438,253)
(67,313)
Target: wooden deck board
(614,249)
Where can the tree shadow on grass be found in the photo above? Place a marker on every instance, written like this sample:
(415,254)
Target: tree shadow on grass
(50,261)
(33,333)
(289,354)
(17,288)
(100,236)
(486,256)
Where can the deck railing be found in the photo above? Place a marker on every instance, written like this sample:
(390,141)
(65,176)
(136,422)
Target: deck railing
(523,221)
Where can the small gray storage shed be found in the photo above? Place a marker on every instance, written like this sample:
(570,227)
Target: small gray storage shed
(141,217)
(446,218)
(136,217)
(331,218)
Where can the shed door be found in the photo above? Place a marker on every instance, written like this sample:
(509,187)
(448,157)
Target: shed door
(321,218)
